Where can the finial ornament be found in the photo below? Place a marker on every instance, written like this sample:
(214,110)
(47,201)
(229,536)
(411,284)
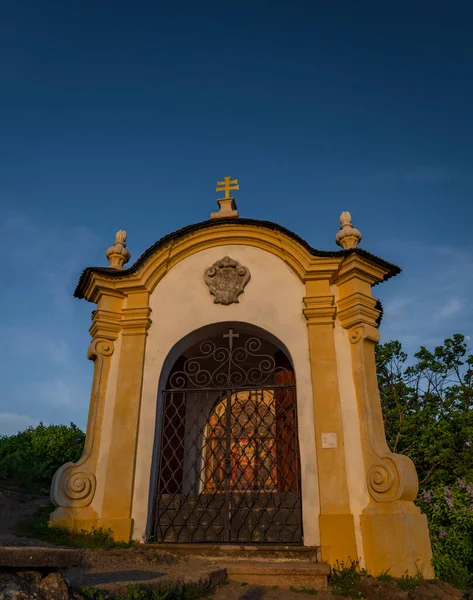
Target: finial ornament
(117,254)
(348,237)
(227,204)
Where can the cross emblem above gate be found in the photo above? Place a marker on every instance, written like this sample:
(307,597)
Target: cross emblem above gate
(231,336)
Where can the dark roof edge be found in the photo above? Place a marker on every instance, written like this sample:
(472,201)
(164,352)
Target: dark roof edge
(119,274)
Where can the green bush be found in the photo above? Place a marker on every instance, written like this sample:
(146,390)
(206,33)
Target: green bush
(345,578)
(30,458)
(449,510)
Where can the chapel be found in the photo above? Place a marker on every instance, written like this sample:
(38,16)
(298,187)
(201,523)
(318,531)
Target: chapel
(235,398)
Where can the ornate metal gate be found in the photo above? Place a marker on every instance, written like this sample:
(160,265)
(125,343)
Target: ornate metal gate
(229,456)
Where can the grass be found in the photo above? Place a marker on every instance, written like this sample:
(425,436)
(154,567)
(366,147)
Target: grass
(385,576)
(190,591)
(37,527)
(345,578)
(304,590)
(410,582)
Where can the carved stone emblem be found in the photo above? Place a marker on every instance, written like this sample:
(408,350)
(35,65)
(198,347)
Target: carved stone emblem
(226,280)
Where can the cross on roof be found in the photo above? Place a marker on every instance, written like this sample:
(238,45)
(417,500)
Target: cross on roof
(227,185)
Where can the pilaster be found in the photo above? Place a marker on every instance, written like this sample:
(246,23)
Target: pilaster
(116,508)
(337,532)
(391,478)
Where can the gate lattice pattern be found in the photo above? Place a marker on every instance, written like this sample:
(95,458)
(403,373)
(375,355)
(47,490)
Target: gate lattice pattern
(229,458)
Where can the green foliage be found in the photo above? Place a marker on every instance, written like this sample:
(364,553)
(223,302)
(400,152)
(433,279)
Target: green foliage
(30,458)
(90,593)
(449,510)
(190,591)
(385,576)
(38,527)
(304,590)
(427,408)
(408,582)
(428,415)
(345,578)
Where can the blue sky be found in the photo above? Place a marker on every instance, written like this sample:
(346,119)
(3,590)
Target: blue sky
(123,115)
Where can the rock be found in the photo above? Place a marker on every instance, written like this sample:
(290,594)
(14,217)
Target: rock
(54,586)
(11,590)
(33,585)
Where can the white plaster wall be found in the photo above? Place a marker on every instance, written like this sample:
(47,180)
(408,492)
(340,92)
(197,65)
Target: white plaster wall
(356,479)
(181,303)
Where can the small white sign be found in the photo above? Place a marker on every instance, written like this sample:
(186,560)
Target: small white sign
(329,440)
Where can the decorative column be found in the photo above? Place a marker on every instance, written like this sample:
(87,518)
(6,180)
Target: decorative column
(74,484)
(118,487)
(394,532)
(337,534)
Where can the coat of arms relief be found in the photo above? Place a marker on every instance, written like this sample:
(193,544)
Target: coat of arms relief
(226,279)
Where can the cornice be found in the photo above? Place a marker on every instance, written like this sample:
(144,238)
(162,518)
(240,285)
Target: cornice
(320,310)
(307,262)
(105,324)
(358,309)
(359,267)
(135,321)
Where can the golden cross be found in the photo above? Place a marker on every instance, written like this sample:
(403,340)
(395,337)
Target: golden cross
(227,185)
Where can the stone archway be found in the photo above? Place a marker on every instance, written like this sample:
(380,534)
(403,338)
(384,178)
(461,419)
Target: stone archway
(229,464)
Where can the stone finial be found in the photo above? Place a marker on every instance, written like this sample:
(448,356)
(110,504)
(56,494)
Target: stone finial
(348,237)
(117,254)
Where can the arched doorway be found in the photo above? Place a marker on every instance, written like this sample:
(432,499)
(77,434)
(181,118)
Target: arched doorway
(229,465)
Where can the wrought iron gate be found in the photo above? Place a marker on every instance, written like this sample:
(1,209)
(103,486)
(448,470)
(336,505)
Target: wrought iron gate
(229,456)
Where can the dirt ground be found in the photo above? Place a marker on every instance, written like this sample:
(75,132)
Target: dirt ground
(114,570)
(15,507)
(240,591)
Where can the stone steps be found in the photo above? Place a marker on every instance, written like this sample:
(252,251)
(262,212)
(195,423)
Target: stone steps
(280,574)
(260,552)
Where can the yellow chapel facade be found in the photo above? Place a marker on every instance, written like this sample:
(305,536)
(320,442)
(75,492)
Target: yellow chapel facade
(235,398)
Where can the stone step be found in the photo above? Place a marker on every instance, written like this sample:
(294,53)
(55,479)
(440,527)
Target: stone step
(280,574)
(37,557)
(217,552)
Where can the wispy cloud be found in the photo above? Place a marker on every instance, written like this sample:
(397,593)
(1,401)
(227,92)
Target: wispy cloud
(452,307)
(29,343)
(429,301)
(11,423)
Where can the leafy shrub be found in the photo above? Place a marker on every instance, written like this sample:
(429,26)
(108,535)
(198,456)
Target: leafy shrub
(449,511)
(345,578)
(30,458)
